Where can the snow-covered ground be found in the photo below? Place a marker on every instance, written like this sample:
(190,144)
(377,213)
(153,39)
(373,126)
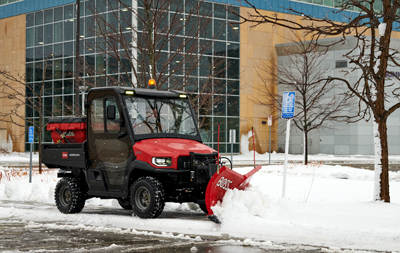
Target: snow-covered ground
(325,206)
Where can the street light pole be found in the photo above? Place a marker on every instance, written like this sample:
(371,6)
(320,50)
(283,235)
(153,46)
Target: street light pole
(83,89)
(77,58)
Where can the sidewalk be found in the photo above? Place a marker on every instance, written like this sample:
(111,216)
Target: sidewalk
(21,160)
(356,161)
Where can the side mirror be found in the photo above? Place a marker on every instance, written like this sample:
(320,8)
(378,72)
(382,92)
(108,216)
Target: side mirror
(111,112)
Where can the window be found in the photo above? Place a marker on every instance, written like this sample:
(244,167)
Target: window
(112,125)
(205,34)
(48,16)
(48,34)
(233,50)
(220,29)
(338,4)
(162,116)
(341,64)
(97,116)
(8,1)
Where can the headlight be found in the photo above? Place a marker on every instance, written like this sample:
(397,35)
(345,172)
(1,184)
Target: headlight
(162,161)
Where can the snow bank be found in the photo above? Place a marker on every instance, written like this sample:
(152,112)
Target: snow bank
(244,143)
(237,204)
(15,185)
(325,206)
(382,29)
(18,157)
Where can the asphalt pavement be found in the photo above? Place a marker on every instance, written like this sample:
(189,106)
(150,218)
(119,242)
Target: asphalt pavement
(18,235)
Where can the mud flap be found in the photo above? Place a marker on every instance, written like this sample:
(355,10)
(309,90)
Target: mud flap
(220,183)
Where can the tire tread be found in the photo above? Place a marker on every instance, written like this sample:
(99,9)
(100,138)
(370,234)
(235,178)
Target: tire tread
(159,197)
(78,196)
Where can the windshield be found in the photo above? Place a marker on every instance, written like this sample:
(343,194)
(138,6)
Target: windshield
(154,115)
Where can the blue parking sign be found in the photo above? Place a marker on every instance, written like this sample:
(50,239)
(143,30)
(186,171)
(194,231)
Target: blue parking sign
(288,105)
(31,134)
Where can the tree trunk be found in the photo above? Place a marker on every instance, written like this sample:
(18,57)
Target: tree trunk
(384,163)
(306,147)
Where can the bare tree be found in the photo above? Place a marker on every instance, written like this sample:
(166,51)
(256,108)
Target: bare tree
(14,87)
(302,69)
(157,39)
(371,55)
(169,41)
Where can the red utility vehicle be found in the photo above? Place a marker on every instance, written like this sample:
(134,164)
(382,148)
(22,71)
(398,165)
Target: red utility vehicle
(139,146)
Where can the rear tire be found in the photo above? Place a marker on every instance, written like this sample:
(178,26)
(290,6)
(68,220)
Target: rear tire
(147,197)
(69,195)
(125,203)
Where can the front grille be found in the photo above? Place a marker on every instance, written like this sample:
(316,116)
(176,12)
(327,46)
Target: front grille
(185,162)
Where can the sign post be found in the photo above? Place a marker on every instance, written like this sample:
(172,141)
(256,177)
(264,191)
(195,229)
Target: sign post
(232,139)
(287,113)
(31,132)
(269,124)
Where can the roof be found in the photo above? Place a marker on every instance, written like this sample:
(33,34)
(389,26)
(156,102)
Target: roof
(318,11)
(141,91)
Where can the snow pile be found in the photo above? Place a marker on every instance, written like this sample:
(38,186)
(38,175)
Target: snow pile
(244,143)
(16,186)
(237,204)
(382,29)
(329,207)
(14,157)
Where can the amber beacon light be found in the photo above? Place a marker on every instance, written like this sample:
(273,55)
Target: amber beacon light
(152,84)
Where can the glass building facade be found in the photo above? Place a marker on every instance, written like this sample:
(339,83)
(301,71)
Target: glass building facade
(338,3)
(8,1)
(50,63)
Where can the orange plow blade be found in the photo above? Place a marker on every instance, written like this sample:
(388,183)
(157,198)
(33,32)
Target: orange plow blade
(221,182)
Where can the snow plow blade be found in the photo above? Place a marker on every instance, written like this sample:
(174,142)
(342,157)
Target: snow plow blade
(221,182)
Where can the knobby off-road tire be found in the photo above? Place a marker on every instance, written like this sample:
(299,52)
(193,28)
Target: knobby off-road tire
(125,203)
(147,197)
(69,195)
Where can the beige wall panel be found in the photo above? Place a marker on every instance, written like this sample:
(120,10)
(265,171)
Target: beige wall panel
(2,26)
(261,130)
(12,59)
(247,74)
(249,50)
(263,52)
(258,46)
(263,28)
(245,89)
(9,28)
(262,39)
(243,35)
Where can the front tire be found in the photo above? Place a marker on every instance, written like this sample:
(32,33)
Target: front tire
(147,197)
(69,195)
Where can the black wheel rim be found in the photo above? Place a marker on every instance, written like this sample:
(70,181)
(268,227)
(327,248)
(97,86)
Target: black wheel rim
(142,198)
(65,196)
